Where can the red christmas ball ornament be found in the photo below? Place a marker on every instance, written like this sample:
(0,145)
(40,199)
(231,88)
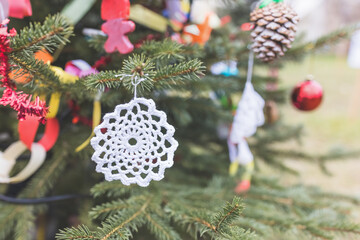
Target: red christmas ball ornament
(307,95)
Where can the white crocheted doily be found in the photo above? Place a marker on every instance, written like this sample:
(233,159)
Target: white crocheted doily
(134,144)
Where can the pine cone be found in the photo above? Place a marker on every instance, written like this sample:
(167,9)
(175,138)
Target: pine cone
(275,28)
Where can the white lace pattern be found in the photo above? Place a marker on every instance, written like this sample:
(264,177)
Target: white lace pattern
(134,144)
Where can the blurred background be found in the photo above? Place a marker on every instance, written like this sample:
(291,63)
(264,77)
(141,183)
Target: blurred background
(336,123)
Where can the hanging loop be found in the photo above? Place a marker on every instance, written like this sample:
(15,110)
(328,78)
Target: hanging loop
(250,67)
(135,81)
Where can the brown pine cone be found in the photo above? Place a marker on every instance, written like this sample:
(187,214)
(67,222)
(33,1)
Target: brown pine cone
(275,28)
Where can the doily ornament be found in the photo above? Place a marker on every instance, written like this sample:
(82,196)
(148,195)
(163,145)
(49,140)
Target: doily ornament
(134,144)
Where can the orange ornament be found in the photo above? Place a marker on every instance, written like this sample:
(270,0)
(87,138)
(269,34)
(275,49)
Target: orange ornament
(21,76)
(199,33)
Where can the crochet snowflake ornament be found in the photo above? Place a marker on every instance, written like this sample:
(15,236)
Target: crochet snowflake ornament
(134,144)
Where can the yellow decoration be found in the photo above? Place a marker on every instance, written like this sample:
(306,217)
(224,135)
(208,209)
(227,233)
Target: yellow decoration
(148,18)
(185,6)
(96,122)
(234,166)
(54,105)
(249,169)
(64,76)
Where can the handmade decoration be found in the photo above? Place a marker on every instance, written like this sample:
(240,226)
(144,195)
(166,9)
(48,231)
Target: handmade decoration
(199,33)
(307,95)
(117,25)
(249,116)
(134,144)
(116,29)
(20,8)
(275,29)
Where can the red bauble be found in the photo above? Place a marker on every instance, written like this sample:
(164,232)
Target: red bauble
(307,95)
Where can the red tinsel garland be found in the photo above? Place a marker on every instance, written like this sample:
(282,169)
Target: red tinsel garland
(19,101)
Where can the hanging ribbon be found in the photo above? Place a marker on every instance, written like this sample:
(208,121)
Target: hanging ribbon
(29,127)
(96,122)
(264,3)
(81,68)
(27,132)
(8,160)
(54,105)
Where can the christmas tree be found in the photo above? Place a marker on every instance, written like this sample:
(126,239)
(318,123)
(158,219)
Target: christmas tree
(167,60)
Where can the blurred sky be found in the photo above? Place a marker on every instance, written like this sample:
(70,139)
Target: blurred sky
(319,17)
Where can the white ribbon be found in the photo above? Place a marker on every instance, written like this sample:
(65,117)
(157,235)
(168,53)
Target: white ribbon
(8,160)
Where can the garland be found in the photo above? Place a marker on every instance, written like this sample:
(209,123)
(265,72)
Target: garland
(18,101)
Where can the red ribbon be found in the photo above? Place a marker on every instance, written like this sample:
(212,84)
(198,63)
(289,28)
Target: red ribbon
(28,129)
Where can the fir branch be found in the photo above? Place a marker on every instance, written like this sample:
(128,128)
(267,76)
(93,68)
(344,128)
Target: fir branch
(311,46)
(110,189)
(80,232)
(25,224)
(229,213)
(164,50)
(37,187)
(39,71)
(352,228)
(127,218)
(53,32)
(46,176)
(162,230)
(142,69)
(192,69)
(102,80)
(107,209)
(9,216)
(97,42)
(135,68)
